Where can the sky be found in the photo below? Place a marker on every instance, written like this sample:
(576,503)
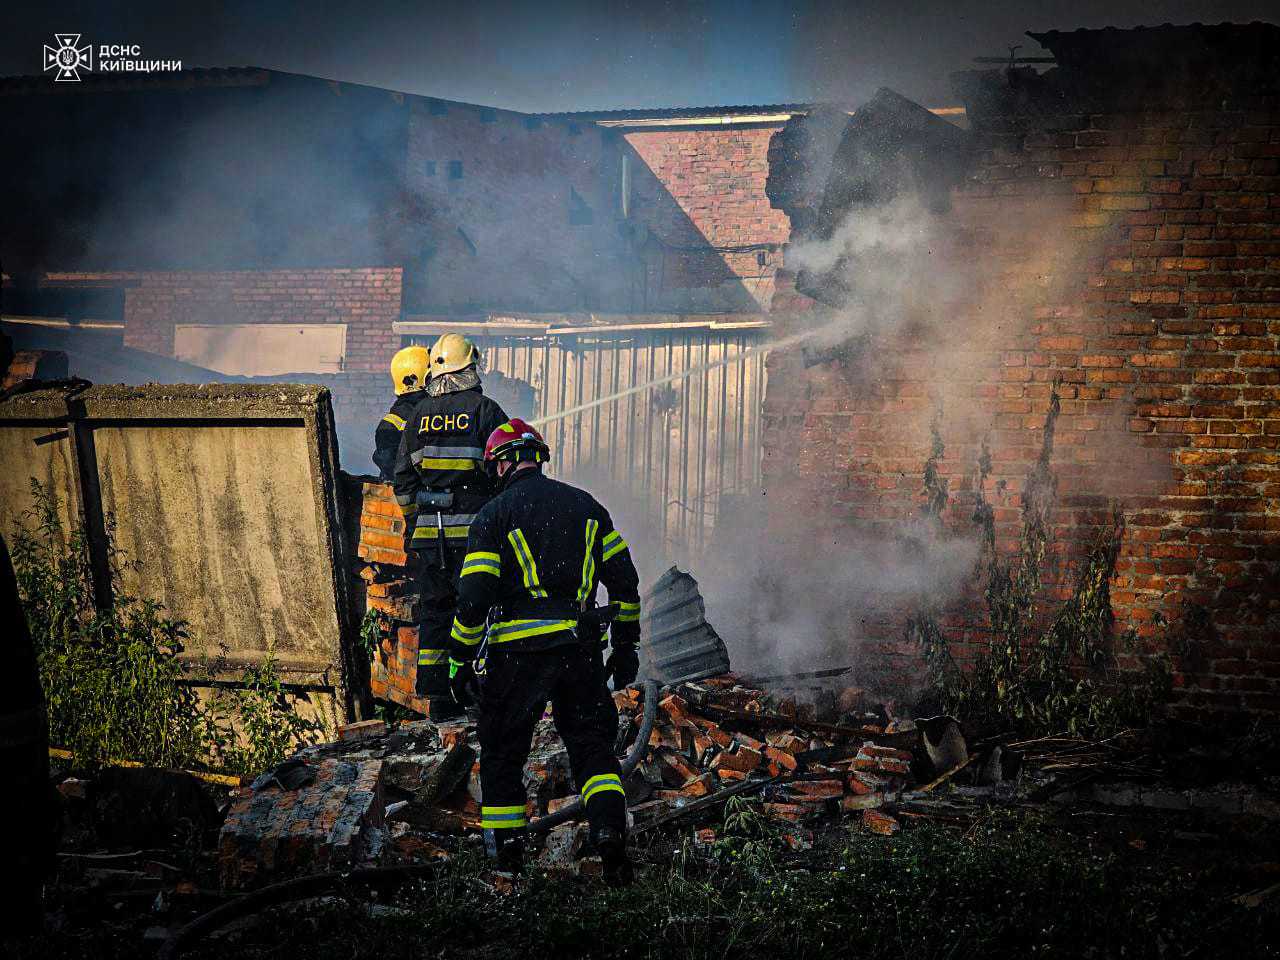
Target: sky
(560,55)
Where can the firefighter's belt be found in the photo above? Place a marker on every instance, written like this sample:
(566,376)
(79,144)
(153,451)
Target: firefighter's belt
(591,624)
(437,500)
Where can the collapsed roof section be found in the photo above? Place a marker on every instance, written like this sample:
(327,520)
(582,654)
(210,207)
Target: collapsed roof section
(827,163)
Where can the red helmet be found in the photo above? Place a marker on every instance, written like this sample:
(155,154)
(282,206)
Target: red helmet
(516,440)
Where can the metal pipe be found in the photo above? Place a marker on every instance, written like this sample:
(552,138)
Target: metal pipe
(572,810)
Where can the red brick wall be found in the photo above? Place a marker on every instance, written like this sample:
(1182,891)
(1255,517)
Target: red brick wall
(366,299)
(716,178)
(1140,252)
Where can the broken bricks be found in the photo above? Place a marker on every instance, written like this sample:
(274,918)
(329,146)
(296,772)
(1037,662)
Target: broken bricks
(885,760)
(815,790)
(709,740)
(676,770)
(880,823)
(364,728)
(333,823)
(727,733)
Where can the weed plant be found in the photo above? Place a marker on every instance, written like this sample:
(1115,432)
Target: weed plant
(114,684)
(1044,667)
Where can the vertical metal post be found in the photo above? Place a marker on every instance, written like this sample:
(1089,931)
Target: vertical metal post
(89,494)
(704,428)
(723,435)
(597,372)
(686,400)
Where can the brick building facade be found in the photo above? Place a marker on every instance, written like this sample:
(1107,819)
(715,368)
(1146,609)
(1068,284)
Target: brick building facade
(365,299)
(700,193)
(1127,226)
(271,198)
(483,209)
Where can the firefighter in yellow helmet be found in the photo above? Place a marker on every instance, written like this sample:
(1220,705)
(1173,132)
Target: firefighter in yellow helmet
(440,484)
(409,372)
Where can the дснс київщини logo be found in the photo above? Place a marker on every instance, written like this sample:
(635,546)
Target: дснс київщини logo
(68,58)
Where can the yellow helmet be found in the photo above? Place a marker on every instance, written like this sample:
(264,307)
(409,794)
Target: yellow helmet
(410,368)
(451,353)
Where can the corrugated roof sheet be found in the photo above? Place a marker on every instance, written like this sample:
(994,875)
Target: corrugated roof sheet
(658,113)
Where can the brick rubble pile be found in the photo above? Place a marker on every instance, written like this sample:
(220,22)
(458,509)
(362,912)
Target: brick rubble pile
(380,795)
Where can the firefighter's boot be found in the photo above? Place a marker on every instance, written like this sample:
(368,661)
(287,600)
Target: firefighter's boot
(506,849)
(611,844)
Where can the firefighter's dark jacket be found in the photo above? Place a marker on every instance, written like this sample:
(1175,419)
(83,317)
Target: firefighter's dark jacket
(536,556)
(386,439)
(442,450)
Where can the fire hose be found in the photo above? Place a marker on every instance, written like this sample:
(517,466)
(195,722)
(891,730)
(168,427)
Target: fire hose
(300,888)
(572,810)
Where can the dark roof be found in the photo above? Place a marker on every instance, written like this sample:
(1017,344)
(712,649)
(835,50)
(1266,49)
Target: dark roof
(181,79)
(673,113)
(1192,66)
(258,76)
(1129,34)
(280,170)
(1223,48)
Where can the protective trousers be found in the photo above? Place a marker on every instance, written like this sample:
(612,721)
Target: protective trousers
(517,686)
(437,604)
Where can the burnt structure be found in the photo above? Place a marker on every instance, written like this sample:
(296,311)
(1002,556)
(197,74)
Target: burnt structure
(1116,231)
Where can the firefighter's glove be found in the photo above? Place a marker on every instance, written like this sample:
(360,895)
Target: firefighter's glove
(464,685)
(622,666)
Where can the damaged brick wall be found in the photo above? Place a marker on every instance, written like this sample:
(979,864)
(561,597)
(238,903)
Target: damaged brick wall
(332,823)
(388,575)
(1159,314)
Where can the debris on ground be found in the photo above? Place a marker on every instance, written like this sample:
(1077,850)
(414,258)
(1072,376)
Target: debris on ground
(809,754)
(381,795)
(143,806)
(803,760)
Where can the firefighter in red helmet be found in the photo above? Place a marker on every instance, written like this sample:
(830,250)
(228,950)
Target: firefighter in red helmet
(536,555)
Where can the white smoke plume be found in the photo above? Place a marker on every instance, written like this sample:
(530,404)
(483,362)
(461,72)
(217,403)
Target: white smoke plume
(803,603)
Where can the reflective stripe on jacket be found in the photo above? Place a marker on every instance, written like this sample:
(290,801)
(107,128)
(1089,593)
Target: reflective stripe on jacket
(537,554)
(442,449)
(386,438)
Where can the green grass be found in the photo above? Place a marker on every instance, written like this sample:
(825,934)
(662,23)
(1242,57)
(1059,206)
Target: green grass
(1009,887)
(1005,889)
